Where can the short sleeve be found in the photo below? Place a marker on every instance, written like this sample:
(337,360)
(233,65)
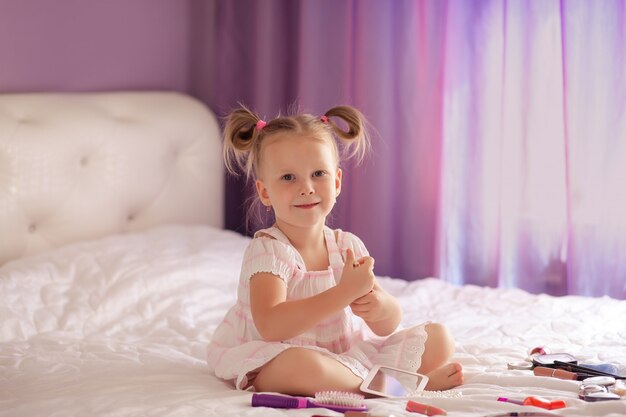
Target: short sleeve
(347,240)
(268,255)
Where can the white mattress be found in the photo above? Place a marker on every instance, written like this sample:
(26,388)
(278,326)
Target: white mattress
(119,327)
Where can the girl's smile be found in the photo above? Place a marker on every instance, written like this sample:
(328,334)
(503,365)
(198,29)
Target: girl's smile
(306,206)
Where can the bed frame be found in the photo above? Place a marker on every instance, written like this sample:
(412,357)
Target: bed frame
(86,165)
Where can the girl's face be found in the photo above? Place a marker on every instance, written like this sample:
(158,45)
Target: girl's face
(299,178)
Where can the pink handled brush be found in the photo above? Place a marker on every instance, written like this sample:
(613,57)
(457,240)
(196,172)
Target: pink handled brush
(332,400)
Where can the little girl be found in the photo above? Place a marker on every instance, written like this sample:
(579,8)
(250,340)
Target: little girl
(310,315)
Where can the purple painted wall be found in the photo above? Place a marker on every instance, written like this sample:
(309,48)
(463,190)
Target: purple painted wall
(78,45)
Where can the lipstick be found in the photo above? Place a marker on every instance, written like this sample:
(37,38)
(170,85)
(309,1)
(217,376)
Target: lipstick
(558,373)
(428,410)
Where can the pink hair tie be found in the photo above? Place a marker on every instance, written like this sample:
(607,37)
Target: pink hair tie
(261,124)
(324,119)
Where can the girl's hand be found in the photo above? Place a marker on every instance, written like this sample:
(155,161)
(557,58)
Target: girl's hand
(373,306)
(357,278)
(380,310)
(276,318)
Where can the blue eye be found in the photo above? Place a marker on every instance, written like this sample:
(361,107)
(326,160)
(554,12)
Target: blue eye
(288,177)
(319,173)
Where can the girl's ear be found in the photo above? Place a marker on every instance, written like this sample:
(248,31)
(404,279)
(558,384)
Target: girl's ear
(263,194)
(338,182)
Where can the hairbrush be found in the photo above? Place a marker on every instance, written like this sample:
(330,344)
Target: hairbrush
(332,400)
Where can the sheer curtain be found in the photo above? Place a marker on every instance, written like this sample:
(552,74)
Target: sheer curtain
(498,128)
(534,147)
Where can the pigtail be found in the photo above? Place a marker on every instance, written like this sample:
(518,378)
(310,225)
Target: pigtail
(240,140)
(354,138)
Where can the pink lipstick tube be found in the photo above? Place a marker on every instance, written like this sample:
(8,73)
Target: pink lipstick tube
(428,410)
(556,373)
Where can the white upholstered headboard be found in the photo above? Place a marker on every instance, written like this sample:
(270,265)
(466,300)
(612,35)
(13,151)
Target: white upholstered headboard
(85,165)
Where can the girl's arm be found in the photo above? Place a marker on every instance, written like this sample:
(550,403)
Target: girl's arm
(277,318)
(380,310)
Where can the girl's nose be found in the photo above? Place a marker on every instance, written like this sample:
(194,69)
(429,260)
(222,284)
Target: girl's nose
(307,189)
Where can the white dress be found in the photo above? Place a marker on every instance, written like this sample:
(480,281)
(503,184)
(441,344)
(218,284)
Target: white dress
(237,352)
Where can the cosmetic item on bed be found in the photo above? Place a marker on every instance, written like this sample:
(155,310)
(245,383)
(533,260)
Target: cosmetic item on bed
(332,400)
(524,365)
(527,364)
(511,400)
(537,402)
(599,396)
(605,381)
(620,388)
(591,387)
(387,381)
(560,373)
(428,410)
(539,350)
(608,368)
(581,369)
(586,390)
(549,360)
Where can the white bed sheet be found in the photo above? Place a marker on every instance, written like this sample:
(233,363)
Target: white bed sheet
(119,327)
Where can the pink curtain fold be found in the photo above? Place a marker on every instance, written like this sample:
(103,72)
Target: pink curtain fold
(499,129)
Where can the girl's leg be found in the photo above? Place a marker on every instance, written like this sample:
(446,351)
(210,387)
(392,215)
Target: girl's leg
(439,348)
(301,371)
(438,351)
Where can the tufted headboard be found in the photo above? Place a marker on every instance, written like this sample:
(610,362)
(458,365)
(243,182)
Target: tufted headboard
(85,165)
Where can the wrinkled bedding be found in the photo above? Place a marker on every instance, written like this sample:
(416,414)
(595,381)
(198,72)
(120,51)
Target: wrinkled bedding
(119,327)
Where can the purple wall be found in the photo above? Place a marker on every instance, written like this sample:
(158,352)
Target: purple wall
(78,45)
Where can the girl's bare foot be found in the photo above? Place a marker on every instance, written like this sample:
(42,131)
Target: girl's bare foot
(445,377)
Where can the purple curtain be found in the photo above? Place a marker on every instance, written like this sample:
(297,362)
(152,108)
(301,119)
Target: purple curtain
(499,128)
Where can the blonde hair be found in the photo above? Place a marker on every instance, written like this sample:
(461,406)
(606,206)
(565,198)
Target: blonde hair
(243,139)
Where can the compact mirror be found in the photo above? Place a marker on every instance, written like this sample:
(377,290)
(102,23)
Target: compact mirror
(606,381)
(600,396)
(548,359)
(386,381)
